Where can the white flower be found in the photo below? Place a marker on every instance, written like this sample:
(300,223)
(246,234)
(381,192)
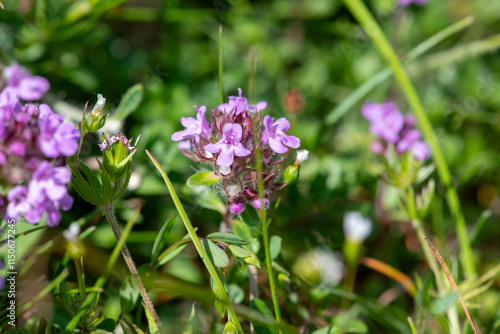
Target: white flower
(331,265)
(302,156)
(101,101)
(71,234)
(319,266)
(356,227)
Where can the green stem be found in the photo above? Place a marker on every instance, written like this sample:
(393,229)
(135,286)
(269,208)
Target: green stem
(265,235)
(221,86)
(81,278)
(365,18)
(199,247)
(108,211)
(440,284)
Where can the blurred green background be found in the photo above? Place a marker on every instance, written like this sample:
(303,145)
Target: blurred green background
(85,47)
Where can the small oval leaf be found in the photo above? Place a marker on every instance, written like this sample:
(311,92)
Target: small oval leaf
(203,179)
(239,252)
(275,246)
(217,255)
(228,238)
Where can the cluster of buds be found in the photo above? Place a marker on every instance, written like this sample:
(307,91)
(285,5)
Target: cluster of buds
(229,142)
(34,144)
(393,128)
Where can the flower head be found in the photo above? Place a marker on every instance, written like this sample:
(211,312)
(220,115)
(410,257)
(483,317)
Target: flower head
(356,227)
(193,127)
(24,85)
(229,145)
(389,124)
(229,140)
(274,135)
(239,104)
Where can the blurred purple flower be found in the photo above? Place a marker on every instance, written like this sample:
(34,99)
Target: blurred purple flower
(194,127)
(56,138)
(229,145)
(31,138)
(409,2)
(239,104)
(387,122)
(24,85)
(274,135)
(21,203)
(421,150)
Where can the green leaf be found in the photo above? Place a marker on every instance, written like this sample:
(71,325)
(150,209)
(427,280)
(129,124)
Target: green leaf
(329,330)
(230,328)
(129,102)
(171,252)
(275,246)
(228,238)
(129,295)
(153,329)
(83,188)
(206,198)
(203,179)
(251,219)
(236,294)
(106,184)
(137,329)
(94,181)
(239,252)
(217,255)
(259,305)
(440,305)
(17,331)
(161,238)
(253,260)
(107,325)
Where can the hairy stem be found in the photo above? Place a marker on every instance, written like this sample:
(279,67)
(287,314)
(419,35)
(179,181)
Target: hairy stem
(110,215)
(371,27)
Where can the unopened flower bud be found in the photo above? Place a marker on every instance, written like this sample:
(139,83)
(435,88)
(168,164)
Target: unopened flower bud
(96,119)
(237,208)
(256,203)
(116,150)
(71,234)
(302,155)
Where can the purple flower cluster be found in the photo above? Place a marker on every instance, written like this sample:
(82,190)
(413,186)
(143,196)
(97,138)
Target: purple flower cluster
(228,142)
(34,144)
(409,2)
(391,127)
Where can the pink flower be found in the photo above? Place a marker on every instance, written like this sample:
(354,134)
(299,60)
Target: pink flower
(239,104)
(274,135)
(229,145)
(193,127)
(24,85)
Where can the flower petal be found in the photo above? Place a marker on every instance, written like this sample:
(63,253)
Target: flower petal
(226,157)
(291,141)
(241,151)
(276,145)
